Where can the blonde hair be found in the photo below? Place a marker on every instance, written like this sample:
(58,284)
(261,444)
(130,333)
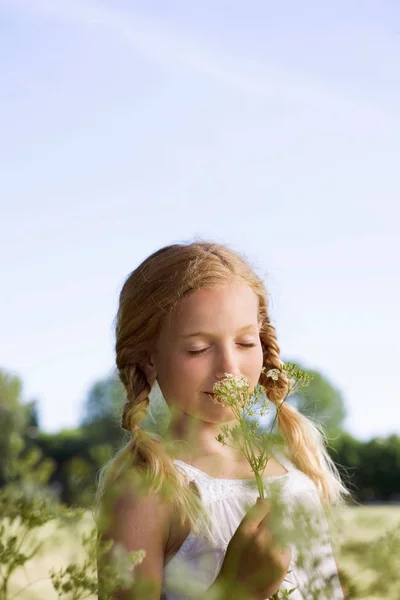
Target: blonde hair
(148,295)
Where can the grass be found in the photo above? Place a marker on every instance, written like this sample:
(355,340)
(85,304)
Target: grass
(363,553)
(358,532)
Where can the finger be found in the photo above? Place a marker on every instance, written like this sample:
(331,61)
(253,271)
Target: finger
(272,539)
(263,538)
(256,514)
(265,523)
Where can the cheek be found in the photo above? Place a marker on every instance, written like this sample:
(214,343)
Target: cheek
(182,373)
(254,365)
(191,369)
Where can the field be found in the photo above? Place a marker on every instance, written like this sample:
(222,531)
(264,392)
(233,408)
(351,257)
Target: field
(360,531)
(366,553)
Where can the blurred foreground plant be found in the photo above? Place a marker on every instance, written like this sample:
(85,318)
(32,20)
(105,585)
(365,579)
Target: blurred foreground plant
(26,505)
(379,564)
(258,447)
(80,580)
(237,393)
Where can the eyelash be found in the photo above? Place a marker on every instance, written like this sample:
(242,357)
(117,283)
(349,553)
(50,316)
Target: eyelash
(198,352)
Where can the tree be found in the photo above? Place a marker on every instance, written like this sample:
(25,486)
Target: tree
(321,401)
(102,412)
(17,420)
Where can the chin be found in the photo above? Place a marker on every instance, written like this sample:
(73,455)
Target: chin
(223,415)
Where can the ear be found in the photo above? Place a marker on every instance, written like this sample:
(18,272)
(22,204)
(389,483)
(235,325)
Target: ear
(149,369)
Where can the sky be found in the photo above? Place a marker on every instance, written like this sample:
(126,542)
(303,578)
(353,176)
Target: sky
(272,127)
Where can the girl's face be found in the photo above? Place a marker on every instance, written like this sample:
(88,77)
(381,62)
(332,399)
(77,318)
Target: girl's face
(212,332)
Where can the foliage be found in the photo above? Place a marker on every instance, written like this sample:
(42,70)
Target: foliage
(76,462)
(357,557)
(321,401)
(102,412)
(372,542)
(384,557)
(26,505)
(370,469)
(79,580)
(17,419)
(69,462)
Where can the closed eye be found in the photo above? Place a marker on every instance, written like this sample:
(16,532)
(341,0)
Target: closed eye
(197,352)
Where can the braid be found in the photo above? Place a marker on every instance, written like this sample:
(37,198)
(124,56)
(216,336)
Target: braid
(144,454)
(137,396)
(305,440)
(276,390)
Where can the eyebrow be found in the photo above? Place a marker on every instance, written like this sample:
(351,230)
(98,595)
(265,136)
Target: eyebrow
(204,333)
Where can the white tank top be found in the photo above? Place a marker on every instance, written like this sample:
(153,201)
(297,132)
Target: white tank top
(195,566)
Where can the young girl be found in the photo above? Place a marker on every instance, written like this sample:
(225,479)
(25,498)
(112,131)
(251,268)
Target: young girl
(188,315)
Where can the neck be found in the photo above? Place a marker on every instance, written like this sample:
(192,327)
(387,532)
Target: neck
(193,438)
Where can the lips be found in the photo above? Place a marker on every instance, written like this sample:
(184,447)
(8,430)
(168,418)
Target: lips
(214,397)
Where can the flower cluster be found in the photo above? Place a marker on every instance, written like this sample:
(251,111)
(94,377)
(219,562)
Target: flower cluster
(246,403)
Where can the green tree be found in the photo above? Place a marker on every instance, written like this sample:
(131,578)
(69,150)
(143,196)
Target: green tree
(370,469)
(102,412)
(17,420)
(379,475)
(321,401)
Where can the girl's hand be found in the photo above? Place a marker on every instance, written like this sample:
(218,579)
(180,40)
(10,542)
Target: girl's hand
(252,561)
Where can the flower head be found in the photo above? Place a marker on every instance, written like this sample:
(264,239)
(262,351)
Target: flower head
(274,374)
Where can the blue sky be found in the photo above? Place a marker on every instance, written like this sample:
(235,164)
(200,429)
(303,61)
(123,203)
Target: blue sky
(273,127)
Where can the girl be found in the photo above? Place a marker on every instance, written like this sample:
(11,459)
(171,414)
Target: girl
(187,316)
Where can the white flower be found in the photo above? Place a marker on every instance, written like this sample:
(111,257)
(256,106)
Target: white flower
(239,382)
(242,382)
(274,374)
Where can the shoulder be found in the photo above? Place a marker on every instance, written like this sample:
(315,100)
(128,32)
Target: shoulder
(128,506)
(136,519)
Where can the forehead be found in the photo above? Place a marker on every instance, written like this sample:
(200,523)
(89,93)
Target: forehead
(233,304)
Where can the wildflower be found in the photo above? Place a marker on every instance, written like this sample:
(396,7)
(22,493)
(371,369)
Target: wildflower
(244,401)
(238,393)
(274,374)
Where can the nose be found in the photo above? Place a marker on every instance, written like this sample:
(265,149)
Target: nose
(227,362)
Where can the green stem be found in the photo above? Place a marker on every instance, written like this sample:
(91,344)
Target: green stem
(260,485)
(246,449)
(4,587)
(276,415)
(249,454)
(230,446)
(22,539)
